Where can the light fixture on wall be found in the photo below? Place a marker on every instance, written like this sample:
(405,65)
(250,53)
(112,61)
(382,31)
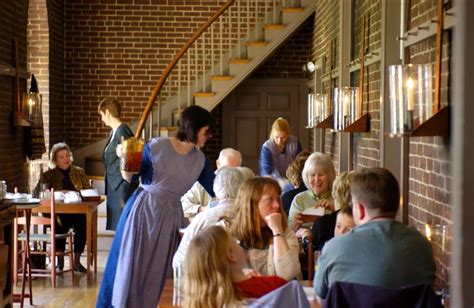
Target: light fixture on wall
(318,109)
(346,107)
(309,67)
(415,94)
(410,96)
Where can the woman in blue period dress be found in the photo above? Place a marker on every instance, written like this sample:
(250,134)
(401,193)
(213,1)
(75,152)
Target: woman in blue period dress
(147,233)
(278,152)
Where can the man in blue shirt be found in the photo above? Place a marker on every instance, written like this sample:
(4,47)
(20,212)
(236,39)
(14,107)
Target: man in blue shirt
(380,251)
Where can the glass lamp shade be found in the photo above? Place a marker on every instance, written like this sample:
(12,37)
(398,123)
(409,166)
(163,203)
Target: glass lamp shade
(346,107)
(311,111)
(410,96)
(32,108)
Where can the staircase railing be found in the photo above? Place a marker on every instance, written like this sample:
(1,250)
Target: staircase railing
(219,39)
(173,63)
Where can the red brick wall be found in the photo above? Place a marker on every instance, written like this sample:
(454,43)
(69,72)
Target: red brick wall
(326,29)
(366,145)
(430,174)
(13,23)
(430,157)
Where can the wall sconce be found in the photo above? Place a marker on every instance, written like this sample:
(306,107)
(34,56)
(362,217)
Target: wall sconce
(346,107)
(318,109)
(410,88)
(32,102)
(435,233)
(309,67)
(417,89)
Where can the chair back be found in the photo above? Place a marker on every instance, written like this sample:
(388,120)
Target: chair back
(289,295)
(42,220)
(346,294)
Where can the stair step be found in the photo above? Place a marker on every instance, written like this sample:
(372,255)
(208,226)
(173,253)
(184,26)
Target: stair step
(274,27)
(239,61)
(203,94)
(292,9)
(221,78)
(256,44)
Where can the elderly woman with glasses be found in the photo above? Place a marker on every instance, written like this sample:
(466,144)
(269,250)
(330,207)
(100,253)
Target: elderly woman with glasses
(318,175)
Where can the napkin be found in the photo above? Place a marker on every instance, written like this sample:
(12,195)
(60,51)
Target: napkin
(314,211)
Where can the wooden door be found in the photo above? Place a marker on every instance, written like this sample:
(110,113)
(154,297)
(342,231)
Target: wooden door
(249,111)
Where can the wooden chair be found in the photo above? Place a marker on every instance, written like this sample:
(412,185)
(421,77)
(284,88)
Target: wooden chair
(307,256)
(37,222)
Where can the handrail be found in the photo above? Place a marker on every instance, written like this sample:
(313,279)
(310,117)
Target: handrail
(172,64)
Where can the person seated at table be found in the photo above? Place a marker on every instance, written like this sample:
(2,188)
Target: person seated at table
(278,152)
(214,276)
(318,175)
(65,176)
(323,228)
(226,185)
(380,251)
(294,175)
(197,198)
(344,221)
(259,223)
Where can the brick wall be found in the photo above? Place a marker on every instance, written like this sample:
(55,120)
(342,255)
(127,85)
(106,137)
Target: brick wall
(13,23)
(57,103)
(326,29)
(430,174)
(430,157)
(366,145)
(287,61)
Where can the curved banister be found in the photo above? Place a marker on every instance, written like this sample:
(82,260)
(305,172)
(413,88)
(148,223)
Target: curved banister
(172,64)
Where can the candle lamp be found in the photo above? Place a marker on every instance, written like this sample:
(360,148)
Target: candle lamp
(345,107)
(435,233)
(410,90)
(311,111)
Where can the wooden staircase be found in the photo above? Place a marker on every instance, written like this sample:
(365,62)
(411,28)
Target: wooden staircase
(187,81)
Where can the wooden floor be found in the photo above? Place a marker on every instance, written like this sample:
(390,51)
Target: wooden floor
(82,293)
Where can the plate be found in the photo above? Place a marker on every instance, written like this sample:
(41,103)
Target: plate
(21,201)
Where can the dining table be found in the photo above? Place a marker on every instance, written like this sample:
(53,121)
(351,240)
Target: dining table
(88,208)
(172,296)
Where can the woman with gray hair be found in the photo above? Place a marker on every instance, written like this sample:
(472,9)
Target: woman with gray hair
(63,175)
(226,185)
(318,175)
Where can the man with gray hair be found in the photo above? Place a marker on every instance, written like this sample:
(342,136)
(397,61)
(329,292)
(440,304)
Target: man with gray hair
(196,199)
(226,186)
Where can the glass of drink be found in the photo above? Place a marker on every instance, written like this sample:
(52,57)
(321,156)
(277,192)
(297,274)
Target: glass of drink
(132,154)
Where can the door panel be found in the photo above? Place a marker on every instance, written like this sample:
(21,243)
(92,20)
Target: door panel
(249,111)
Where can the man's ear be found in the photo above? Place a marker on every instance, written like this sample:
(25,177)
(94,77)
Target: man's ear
(218,164)
(361,212)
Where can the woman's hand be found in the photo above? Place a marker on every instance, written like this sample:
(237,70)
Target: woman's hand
(274,222)
(325,203)
(303,232)
(250,272)
(298,221)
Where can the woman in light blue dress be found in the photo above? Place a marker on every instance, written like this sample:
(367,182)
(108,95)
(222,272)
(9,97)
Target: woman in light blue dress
(147,234)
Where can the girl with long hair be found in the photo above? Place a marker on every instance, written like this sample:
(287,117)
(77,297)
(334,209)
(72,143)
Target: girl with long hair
(214,275)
